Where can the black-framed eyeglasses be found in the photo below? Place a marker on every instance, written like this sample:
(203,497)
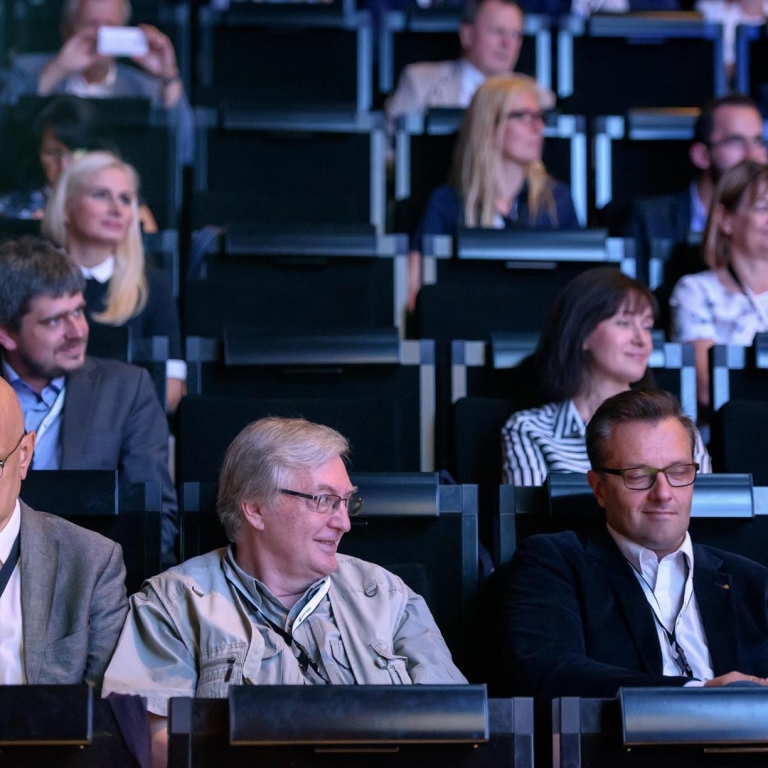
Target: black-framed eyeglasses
(326,503)
(527,117)
(643,478)
(737,141)
(5,460)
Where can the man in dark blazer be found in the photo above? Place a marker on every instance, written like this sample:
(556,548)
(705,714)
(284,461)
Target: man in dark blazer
(88,413)
(62,588)
(634,602)
(728,130)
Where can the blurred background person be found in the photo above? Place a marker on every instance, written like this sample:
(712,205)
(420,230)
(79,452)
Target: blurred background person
(93,214)
(728,303)
(63,128)
(498,179)
(596,344)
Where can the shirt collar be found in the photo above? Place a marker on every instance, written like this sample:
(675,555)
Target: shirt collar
(471,78)
(81,87)
(698,212)
(568,421)
(101,273)
(9,533)
(263,598)
(636,553)
(53,387)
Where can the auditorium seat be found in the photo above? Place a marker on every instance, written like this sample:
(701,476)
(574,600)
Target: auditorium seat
(285,279)
(607,62)
(323,167)
(664,727)
(128,513)
(281,55)
(72,726)
(389,727)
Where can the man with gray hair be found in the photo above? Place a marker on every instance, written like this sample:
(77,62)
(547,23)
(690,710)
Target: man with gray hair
(279,605)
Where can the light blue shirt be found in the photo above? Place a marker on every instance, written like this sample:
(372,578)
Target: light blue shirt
(35,408)
(698,212)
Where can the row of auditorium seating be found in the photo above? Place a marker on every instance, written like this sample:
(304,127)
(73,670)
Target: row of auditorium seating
(257,52)
(389,727)
(328,167)
(426,532)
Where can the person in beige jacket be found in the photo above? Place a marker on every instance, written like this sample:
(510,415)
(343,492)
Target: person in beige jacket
(278,606)
(491,33)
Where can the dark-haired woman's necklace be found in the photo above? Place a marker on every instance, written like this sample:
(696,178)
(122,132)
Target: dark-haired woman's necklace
(759,311)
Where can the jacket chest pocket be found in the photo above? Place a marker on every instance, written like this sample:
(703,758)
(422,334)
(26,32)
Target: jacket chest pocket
(396,666)
(219,668)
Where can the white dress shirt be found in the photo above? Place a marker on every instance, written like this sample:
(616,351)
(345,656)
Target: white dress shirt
(11,639)
(668,587)
(471,79)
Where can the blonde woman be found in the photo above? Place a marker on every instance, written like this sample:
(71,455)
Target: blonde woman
(498,180)
(93,214)
(728,303)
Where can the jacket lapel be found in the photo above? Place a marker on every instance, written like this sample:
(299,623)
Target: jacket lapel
(714,595)
(629,597)
(78,415)
(39,564)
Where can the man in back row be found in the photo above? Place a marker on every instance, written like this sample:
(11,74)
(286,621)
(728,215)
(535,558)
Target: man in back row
(278,606)
(634,603)
(491,34)
(88,412)
(728,130)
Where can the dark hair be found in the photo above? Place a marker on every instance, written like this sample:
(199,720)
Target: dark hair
(649,405)
(705,122)
(591,297)
(32,267)
(472,7)
(70,119)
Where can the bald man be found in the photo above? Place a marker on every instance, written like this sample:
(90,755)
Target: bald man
(62,588)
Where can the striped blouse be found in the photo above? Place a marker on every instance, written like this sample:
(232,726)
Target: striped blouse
(552,439)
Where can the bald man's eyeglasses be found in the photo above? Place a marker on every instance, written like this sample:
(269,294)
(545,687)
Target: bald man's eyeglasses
(4,461)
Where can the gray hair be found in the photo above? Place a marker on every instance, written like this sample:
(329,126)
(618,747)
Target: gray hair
(71,7)
(260,456)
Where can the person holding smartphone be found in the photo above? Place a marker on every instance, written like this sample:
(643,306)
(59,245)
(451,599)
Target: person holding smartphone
(84,68)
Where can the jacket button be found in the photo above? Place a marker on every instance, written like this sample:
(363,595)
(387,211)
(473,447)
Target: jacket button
(380,663)
(371,589)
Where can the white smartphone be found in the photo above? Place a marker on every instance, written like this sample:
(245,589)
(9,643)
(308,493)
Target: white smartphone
(121,41)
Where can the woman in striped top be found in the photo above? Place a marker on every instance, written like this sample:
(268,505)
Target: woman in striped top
(597,343)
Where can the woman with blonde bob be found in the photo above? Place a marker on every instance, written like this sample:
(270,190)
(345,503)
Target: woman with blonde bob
(498,179)
(728,303)
(93,213)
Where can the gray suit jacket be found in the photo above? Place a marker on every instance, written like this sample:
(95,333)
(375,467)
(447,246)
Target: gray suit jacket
(73,601)
(426,84)
(113,420)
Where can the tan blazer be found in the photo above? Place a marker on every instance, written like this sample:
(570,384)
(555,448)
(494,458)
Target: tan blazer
(426,84)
